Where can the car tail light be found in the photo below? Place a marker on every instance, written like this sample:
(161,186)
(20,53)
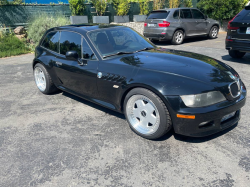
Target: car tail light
(164,24)
(229,24)
(229,40)
(145,24)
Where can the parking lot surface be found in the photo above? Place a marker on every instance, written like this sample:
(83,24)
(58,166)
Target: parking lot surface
(61,140)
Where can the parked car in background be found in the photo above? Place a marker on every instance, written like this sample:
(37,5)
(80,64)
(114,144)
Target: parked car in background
(155,88)
(179,23)
(238,34)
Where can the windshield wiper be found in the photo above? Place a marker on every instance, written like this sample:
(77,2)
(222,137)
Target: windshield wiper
(146,48)
(118,53)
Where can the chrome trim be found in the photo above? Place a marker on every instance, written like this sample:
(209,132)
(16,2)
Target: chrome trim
(239,88)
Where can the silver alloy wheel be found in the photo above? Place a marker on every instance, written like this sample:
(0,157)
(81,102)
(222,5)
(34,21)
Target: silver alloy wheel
(179,37)
(214,32)
(40,78)
(143,114)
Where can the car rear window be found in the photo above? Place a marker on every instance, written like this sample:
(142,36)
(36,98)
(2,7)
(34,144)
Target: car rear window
(243,15)
(158,15)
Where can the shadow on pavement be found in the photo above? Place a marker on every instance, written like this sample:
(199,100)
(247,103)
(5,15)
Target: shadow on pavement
(96,106)
(244,60)
(186,41)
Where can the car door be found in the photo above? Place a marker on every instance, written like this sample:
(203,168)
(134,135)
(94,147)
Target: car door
(200,22)
(74,76)
(188,22)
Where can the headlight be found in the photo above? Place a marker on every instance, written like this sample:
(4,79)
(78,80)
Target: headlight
(204,99)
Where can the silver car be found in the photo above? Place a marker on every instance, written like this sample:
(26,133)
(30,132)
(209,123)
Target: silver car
(178,23)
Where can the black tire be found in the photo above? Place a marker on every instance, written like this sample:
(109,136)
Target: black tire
(165,123)
(236,54)
(50,87)
(178,37)
(213,33)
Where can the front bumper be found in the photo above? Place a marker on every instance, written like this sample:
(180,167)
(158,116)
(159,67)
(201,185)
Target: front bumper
(211,114)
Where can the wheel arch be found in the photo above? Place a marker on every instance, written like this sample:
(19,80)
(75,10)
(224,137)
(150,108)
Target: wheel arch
(36,61)
(180,28)
(215,24)
(152,89)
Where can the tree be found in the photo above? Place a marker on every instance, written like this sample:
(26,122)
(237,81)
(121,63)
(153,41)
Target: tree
(174,3)
(188,3)
(221,9)
(159,4)
(77,7)
(100,6)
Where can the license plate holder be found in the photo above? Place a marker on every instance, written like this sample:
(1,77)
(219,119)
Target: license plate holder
(151,25)
(228,116)
(248,30)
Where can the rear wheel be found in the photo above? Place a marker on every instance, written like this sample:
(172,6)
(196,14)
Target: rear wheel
(146,113)
(43,79)
(178,37)
(213,32)
(236,54)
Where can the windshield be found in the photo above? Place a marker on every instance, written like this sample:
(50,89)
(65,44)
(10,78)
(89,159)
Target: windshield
(118,41)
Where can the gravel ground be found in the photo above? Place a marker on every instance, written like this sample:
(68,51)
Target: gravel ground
(61,140)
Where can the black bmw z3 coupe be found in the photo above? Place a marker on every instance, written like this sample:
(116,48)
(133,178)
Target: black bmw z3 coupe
(155,88)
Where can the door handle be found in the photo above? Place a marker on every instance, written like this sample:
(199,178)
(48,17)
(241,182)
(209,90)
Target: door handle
(82,62)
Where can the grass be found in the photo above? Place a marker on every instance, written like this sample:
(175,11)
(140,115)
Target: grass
(10,45)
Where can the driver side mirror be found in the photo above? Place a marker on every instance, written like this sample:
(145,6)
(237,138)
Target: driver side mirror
(206,16)
(72,55)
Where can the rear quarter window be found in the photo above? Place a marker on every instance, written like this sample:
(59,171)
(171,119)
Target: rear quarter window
(51,41)
(158,15)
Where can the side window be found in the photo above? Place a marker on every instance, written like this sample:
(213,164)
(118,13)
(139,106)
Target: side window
(51,41)
(197,14)
(70,41)
(176,14)
(87,53)
(186,14)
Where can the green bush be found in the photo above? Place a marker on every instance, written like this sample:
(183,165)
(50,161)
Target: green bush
(41,23)
(100,6)
(188,3)
(121,7)
(10,45)
(221,9)
(144,7)
(77,7)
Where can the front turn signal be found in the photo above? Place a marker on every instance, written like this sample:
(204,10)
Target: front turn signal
(185,116)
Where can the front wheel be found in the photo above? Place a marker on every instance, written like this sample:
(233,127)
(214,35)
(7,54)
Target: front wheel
(178,37)
(213,32)
(43,79)
(146,113)
(236,54)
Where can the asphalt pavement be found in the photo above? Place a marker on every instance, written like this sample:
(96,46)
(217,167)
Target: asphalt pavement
(61,140)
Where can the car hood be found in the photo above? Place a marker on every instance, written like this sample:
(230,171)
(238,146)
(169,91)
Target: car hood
(181,63)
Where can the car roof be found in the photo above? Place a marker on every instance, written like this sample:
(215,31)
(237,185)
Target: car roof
(83,28)
(172,9)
